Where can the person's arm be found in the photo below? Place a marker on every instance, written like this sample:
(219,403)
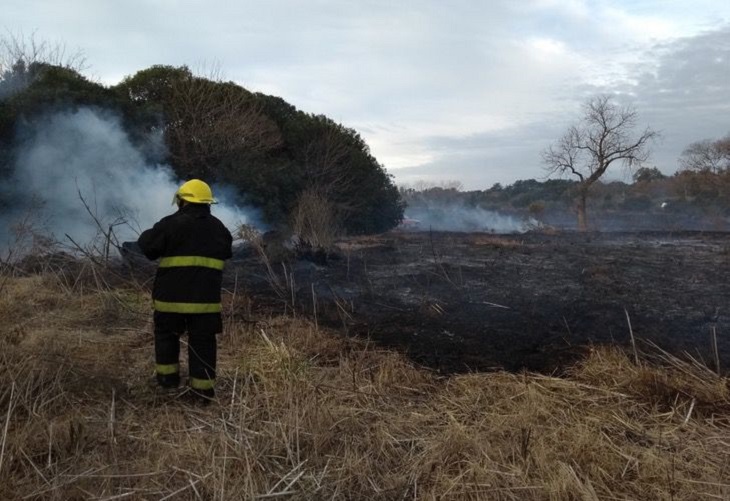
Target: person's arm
(152,242)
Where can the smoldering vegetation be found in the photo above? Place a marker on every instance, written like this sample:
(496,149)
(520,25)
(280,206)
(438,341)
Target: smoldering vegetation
(78,177)
(458,217)
(128,145)
(693,199)
(462,302)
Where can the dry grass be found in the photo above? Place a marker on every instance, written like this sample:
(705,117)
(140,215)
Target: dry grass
(351,244)
(305,414)
(496,242)
(315,220)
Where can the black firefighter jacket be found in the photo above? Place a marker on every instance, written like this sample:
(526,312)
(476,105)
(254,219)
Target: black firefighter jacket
(192,245)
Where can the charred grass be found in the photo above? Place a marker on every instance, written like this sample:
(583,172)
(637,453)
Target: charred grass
(303,413)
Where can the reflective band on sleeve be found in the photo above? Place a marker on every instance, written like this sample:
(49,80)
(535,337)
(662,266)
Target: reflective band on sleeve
(204,262)
(201,384)
(166,369)
(167,307)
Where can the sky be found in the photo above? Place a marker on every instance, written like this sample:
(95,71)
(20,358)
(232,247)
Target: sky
(468,91)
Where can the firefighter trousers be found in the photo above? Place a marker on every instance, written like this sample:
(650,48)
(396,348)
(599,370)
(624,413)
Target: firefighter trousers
(201,329)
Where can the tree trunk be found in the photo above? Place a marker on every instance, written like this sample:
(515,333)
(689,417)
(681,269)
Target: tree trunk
(581,209)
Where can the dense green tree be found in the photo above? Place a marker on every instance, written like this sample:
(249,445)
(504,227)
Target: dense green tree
(321,155)
(204,122)
(270,151)
(647,174)
(266,147)
(54,87)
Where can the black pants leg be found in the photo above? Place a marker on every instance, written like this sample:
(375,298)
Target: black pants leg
(168,329)
(202,348)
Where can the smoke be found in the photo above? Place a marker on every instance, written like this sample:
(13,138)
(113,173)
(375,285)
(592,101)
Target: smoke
(12,82)
(78,172)
(457,217)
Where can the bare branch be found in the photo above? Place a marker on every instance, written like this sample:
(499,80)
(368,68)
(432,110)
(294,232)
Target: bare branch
(707,156)
(21,56)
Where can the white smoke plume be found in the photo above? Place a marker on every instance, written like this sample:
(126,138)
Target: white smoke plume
(85,156)
(457,217)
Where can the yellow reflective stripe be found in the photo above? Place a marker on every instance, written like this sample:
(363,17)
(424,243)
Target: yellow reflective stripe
(201,384)
(166,369)
(167,307)
(204,262)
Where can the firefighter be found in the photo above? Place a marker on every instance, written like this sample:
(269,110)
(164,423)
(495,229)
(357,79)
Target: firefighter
(192,246)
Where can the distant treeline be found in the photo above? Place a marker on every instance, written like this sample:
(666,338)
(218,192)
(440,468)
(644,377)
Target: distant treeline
(685,198)
(268,150)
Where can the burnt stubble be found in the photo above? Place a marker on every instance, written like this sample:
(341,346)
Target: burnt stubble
(460,302)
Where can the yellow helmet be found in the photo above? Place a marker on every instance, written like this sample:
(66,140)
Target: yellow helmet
(195,191)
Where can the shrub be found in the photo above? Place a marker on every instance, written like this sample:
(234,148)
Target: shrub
(315,220)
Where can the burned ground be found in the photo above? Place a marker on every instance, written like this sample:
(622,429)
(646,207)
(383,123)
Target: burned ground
(460,302)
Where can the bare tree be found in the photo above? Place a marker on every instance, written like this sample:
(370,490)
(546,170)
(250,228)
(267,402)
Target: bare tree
(707,156)
(21,55)
(604,136)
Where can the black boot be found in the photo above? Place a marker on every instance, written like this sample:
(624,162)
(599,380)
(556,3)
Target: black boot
(168,380)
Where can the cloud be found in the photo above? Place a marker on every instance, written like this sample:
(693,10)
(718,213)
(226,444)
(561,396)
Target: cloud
(679,87)
(409,75)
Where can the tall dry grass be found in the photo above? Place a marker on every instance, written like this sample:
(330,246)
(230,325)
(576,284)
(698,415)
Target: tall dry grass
(315,220)
(303,413)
